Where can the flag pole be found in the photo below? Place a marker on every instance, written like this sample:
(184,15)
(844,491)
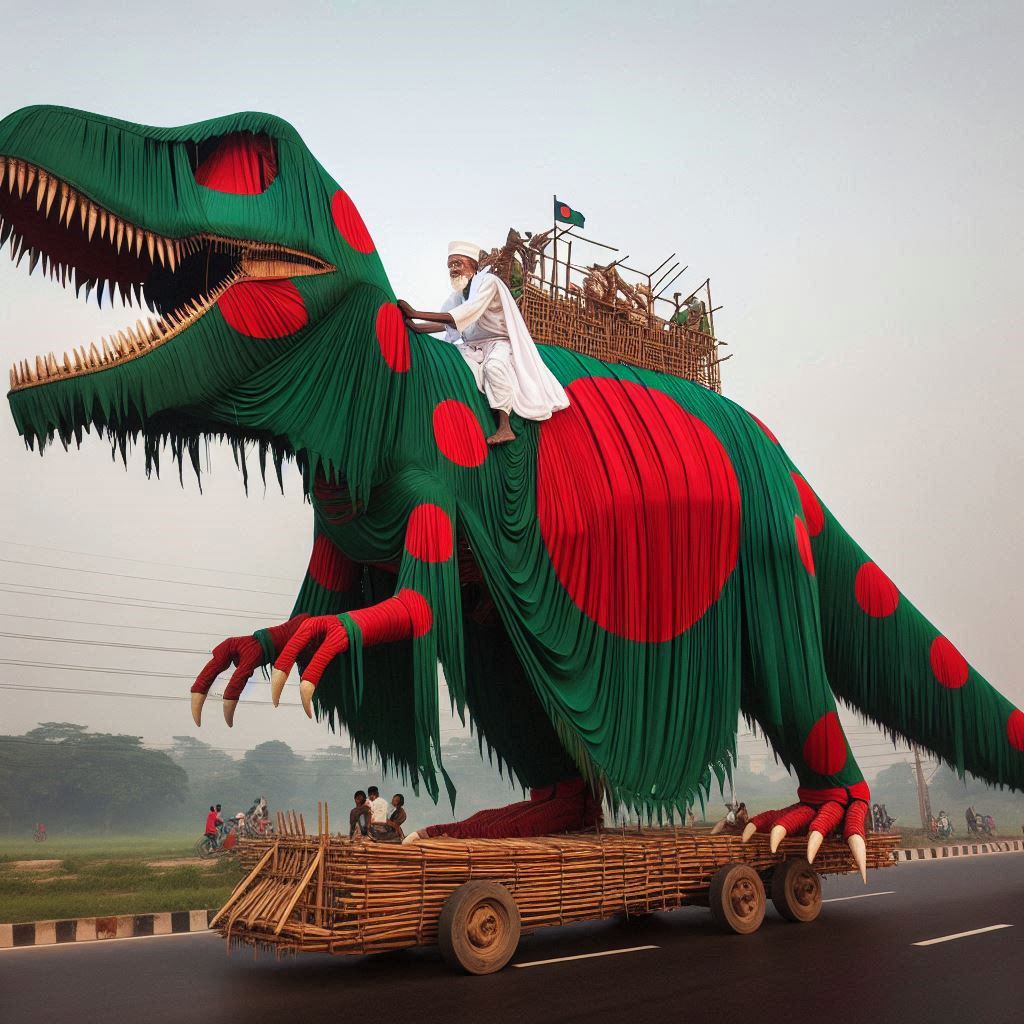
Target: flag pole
(554,249)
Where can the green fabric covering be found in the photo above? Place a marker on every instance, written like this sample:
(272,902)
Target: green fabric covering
(653,722)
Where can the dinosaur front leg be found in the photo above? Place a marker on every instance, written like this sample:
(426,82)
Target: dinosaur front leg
(329,584)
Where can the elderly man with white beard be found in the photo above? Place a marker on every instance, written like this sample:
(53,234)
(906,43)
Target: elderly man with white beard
(482,320)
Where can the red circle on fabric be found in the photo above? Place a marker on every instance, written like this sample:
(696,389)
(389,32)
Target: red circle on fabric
(393,337)
(1015,729)
(949,666)
(458,434)
(428,536)
(768,433)
(875,592)
(564,211)
(639,508)
(803,544)
(419,611)
(349,223)
(813,514)
(825,746)
(264,309)
(329,567)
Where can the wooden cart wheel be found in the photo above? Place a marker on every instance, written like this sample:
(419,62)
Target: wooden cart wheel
(796,891)
(479,927)
(737,898)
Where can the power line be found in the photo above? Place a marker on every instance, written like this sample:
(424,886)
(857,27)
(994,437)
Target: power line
(148,579)
(108,625)
(103,643)
(136,696)
(149,561)
(119,601)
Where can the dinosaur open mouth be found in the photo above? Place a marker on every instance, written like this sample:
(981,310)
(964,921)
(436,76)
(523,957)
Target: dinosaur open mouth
(79,242)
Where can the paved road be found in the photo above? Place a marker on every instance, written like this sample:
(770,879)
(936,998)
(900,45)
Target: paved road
(858,962)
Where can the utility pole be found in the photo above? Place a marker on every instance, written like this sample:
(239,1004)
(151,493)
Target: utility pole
(924,803)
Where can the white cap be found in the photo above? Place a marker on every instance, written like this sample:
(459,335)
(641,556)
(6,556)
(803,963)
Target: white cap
(470,249)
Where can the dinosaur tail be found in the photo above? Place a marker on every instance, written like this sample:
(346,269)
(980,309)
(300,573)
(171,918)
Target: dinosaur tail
(890,663)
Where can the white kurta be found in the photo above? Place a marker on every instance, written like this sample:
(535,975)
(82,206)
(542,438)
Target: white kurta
(493,337)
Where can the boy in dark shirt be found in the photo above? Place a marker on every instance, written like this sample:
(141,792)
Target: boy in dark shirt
(359,816)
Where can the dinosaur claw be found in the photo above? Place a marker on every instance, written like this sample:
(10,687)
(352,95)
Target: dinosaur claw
(719,825)
(748,830)
(198,700)
(306,689)
(229,711)
(277,681)
(814,841)
(778,834)
(860,855)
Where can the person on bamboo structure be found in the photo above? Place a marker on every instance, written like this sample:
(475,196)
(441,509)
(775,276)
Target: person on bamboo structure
(482,320)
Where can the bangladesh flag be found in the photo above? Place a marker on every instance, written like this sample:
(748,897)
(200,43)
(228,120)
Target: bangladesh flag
(564,212)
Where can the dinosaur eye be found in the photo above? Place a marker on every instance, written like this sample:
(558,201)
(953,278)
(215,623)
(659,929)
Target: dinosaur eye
(240,163)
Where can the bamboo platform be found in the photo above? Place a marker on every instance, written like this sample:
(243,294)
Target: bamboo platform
(324,893)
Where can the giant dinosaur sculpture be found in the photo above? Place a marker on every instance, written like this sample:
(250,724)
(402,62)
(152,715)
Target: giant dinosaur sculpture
(605,596)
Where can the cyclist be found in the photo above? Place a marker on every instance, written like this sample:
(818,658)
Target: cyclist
(212,821)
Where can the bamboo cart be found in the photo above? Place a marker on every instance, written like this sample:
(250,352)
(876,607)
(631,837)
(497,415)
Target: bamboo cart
(474,898)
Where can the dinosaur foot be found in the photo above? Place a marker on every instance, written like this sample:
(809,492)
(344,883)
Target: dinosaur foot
(568,806)
(819,813)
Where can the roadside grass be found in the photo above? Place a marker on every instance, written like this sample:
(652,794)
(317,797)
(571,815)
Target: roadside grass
(89,876)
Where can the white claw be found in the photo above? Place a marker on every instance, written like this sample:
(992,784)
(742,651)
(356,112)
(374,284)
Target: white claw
(860,855)
(198,700)
(778,834)
(277,681)
(306,689)
(719,825)
(412,837)
(748,830)
(814,841)
(229,711)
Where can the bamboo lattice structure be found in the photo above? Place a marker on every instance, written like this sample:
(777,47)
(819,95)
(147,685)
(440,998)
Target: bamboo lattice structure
(329,894)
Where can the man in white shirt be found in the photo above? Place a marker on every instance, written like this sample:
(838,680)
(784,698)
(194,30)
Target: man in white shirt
(482,320)
(378,806)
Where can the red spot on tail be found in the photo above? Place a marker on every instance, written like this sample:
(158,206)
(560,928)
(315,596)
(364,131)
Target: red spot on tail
(264,309)
(803,544)
(1015,729)
(393,337)
(349,223)
(458,434)
(813,514)
(825,746)
(876,593)
(428,536)
(948,665)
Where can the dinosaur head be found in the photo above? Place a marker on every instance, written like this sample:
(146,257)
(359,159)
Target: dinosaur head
(228,230)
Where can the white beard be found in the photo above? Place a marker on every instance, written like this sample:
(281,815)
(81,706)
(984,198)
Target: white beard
(459,281)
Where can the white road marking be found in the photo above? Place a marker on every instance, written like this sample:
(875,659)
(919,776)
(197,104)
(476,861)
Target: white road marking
(102,942)
(859,896)
(583,956)
(962,935)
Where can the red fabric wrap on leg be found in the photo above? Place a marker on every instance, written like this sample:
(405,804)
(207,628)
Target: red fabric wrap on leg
(838,794)
(855,815)
(828,817)
(795,819)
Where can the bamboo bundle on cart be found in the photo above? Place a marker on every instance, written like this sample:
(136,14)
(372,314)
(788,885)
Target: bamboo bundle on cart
(329,894)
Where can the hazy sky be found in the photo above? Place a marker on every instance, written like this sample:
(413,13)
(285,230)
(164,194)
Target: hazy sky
(850,177)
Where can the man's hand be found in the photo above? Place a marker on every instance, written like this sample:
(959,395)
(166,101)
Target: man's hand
(407,311)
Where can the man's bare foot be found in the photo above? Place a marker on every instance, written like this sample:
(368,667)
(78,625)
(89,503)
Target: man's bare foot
(501,436)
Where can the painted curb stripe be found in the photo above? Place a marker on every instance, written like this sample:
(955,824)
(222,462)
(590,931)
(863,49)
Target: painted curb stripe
(92,929)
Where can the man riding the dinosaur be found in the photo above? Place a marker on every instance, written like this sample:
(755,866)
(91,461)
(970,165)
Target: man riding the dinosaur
(482,320)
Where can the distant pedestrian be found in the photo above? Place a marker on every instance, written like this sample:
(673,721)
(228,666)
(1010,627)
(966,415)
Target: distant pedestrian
(359,816)
(211,822)
(378,806)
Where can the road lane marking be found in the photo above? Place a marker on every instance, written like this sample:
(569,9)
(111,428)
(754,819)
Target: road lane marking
(962,935)
(583,956)
(860,896)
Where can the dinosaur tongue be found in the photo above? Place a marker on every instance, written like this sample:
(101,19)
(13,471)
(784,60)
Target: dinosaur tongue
(264,309)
